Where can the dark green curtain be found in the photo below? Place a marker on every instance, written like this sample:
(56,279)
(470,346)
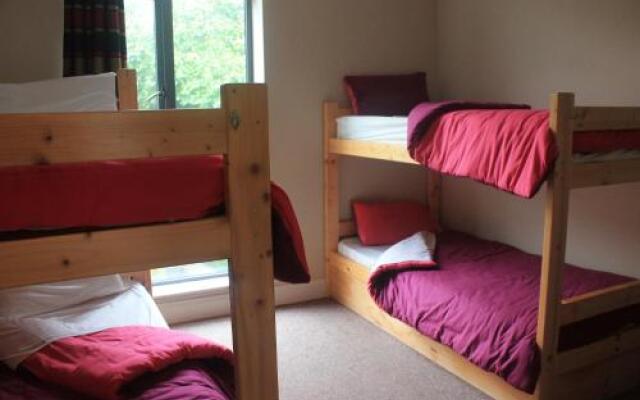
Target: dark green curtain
(94,37)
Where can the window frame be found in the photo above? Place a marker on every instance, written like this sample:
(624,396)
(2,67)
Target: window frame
(165,65)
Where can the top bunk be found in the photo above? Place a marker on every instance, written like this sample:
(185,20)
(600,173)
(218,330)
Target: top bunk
(385,138)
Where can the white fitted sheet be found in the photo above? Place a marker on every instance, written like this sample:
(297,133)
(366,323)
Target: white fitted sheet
(353,249)
(394,130)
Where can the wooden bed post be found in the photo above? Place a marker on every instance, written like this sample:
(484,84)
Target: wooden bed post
(561,109)
(127,91)
(251,264)
(331,188)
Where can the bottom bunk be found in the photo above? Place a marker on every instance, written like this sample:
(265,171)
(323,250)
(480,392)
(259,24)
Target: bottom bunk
(476,314)
(102,338)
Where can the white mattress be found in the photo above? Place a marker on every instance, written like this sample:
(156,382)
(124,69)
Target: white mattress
(394,130)
(354,250)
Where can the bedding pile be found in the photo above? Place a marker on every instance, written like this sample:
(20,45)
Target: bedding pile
(102,338)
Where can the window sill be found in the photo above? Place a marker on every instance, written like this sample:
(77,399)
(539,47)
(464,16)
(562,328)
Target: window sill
(188,290)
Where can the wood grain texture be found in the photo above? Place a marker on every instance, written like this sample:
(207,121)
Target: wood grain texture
(40,139)
(127,89)
(554,241)
(604,173)
(331,193)
(373,150)
(251,264)
(64,257)
(599,302)
(434,194)
(606,118)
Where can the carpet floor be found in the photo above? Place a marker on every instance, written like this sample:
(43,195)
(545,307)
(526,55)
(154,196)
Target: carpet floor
(326,352)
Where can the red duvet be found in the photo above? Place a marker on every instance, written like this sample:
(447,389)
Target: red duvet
(134,192)
(141,363)
(505,146)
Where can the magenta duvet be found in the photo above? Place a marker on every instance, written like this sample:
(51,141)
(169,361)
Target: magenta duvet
(481,301)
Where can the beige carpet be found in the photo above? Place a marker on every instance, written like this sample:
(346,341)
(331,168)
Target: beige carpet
(326,352)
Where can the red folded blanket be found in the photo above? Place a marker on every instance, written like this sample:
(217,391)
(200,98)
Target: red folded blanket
(104,365)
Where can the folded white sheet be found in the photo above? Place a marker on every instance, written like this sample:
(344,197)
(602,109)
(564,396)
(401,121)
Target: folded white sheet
(375,128)
(23,333)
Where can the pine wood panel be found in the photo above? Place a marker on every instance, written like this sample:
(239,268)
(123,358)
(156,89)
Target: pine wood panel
(127,89)
(604,173)
(38,139)
(606,118)
(331,192)
(374,150)
(554,241)
(251,264)
(64,257)
(599,302)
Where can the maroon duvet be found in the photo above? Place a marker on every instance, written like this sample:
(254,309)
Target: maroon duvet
(191,380)
(482,302)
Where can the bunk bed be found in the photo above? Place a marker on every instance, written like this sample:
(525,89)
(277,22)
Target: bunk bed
(602,366)
(242,233)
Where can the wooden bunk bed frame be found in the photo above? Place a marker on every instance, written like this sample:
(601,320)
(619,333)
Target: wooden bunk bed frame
(598,370)
(239,131)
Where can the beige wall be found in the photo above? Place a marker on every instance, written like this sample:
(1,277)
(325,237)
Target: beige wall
(309,47)
(521,51)
(30,39)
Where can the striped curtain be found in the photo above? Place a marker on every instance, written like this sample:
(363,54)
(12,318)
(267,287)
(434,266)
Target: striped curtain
(94,37)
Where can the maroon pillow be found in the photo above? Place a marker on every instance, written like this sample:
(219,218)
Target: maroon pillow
(386,94)
(387,223)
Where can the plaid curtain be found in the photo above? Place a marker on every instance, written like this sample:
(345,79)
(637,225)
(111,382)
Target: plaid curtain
(94,37)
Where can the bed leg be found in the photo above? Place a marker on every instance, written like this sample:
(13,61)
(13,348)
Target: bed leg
(251,264)
(331,190)
(554,243)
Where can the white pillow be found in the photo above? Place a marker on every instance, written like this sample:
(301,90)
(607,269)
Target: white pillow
(76,94)
(49,297)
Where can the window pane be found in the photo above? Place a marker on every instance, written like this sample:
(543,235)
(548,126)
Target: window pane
(209,49)
(189,272)
(141,49)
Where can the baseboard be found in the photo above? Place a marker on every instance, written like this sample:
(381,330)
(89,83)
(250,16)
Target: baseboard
(181,309)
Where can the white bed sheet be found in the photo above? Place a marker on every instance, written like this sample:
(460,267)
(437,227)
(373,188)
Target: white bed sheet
(353,249)
(394,130)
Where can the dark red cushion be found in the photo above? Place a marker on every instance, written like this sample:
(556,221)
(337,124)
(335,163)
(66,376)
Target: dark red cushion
(387,223)
(386,94)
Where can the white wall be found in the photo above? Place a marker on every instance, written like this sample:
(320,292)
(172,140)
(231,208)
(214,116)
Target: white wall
(309,47)
(30,40)
(521,51)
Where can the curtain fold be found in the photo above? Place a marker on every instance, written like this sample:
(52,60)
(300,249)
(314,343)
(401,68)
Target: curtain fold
(94,37)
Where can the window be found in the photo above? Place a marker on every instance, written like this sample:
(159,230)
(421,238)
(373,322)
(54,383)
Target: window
(183,50)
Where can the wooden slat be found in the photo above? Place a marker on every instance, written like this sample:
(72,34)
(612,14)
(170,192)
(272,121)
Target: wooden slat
(606,118)
(374,150)
(127,89)
(59,258)
(347,228)
(604,173)
(349,288)
(597,352)
(29,139)
(251,272)
(554,242)
(599,302)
